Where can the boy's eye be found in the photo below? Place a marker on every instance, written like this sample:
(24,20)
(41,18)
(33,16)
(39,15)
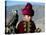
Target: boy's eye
(28,15)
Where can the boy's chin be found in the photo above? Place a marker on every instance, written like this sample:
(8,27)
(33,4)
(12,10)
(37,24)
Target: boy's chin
(26,20)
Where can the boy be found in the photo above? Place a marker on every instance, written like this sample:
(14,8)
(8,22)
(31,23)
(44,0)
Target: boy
(27,25)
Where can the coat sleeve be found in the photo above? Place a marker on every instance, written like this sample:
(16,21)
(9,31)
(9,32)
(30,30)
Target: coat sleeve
(33,27)
(20,27)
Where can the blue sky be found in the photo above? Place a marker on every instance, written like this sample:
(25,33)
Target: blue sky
(12,3)
(9,0)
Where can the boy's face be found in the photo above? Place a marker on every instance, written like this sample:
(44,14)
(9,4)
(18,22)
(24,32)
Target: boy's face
(27,18)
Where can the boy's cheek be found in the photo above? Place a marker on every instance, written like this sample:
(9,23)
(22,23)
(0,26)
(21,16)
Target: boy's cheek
(25,19)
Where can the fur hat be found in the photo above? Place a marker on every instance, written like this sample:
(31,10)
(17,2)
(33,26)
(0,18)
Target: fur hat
(28,10)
